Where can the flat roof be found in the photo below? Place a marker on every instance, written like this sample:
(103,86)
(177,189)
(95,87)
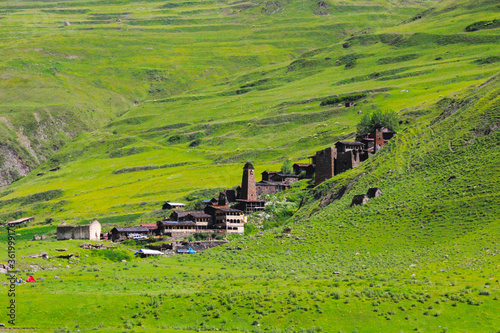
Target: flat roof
(351,143)
(172,223)
(131,229)
(24,219)
(230,210)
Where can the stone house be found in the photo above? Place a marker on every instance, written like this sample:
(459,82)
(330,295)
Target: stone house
(122,233)
(91,231)
(231,220)
(201,219)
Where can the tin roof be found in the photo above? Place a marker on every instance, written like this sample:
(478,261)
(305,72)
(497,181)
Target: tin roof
(24,219)
(131,229)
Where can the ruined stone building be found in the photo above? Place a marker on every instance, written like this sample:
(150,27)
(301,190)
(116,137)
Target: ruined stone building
(376,139)
(91,231)
(347,155)
(334,160)
(304,169)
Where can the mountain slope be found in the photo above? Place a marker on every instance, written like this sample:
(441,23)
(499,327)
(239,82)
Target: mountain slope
(423,256)
(253,95)
(61,80)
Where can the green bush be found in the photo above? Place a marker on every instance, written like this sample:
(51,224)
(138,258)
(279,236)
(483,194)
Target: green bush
(369,120)
(391,60)
(287,167)
(342,99)
(481,25)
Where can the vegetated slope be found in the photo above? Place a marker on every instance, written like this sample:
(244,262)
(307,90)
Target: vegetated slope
(217,86)
(69,67)
(424,256)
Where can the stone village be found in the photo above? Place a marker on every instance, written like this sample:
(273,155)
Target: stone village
(227,213)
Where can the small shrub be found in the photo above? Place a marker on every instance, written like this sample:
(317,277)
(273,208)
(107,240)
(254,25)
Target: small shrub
(342,99)
(195,143)
(481,25)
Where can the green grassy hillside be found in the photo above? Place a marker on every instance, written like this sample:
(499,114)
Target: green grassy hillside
(421,257)
(149,101)
(215,84)
(61,80)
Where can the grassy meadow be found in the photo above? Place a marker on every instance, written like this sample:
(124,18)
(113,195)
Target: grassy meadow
(139,102)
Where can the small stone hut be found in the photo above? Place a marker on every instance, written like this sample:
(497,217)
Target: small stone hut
(359,199)
(374,192)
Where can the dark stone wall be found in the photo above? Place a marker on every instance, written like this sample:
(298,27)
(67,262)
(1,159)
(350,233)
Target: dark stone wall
(267,189)
(325,164)
(73,232)
(346,161)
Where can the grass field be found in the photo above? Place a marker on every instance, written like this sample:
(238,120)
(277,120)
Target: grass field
(135,103)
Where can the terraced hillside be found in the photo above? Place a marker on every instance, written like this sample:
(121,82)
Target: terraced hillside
(71,67)
(214,84)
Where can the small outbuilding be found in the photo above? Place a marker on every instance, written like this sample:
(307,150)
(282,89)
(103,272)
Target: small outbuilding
(172,205)
(24,220)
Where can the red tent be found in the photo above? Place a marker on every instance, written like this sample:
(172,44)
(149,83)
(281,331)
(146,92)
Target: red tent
(30,279)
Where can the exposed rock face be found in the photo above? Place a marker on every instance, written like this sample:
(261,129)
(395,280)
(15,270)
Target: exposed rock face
(12,165)
(28,139)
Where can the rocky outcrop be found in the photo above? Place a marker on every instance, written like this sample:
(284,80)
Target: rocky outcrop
(28,139)
(12,165)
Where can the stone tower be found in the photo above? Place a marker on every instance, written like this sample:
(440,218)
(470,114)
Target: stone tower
(378,138)
(248,188)
(325,164)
